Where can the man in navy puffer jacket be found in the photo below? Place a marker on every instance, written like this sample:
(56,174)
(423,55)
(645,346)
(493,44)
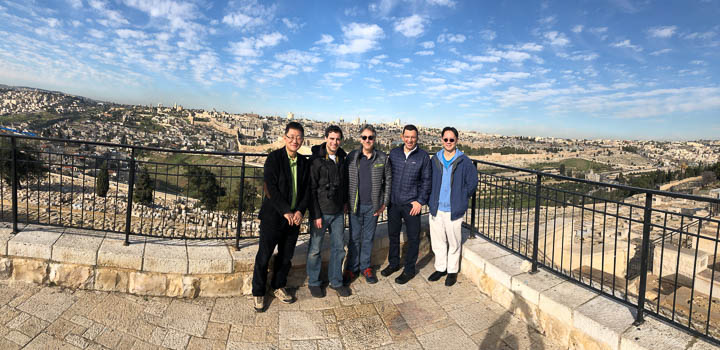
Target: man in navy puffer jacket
(410,191)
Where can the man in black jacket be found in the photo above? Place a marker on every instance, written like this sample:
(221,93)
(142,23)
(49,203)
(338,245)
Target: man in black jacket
(328,195)
(285,181)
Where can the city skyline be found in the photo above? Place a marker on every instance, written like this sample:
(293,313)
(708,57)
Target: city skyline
(617,69)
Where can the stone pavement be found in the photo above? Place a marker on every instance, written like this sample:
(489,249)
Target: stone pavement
(418,315)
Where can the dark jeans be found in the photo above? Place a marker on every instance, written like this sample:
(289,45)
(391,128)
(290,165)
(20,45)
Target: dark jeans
(274,231)
(396,214)
(362,233)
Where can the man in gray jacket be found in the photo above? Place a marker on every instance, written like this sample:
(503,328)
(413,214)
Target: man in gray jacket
(369,182)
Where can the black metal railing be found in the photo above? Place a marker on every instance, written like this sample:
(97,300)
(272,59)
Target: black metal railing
(653,250)
(149,191)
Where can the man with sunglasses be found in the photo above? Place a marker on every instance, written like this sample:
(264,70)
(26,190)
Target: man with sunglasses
(369,182)
(286,186)
(454,180)
(410,191)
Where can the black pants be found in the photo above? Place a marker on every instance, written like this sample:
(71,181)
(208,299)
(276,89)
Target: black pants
(274,231)
(397,213)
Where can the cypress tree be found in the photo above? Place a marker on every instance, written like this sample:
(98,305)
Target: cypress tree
(102,182)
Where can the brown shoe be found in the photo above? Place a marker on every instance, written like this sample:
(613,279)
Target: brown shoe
(259,303)
(284,297)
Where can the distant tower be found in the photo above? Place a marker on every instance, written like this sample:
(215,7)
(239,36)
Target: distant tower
(397,122)
(290,115)
(159,105)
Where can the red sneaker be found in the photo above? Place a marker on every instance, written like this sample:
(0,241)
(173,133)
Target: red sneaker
(370,276)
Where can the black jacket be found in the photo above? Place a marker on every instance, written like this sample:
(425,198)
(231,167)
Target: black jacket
(277,183)
(328,188)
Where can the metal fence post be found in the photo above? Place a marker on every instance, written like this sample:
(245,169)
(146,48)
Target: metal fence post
(131,185)
(536,226)
(473,207)
(644,256)
(240,206)
(14,179)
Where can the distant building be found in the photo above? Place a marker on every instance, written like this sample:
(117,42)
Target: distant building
(291,115)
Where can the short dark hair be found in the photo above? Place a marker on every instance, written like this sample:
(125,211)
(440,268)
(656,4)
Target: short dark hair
(410,127)
(368,127)
(449,128)
(333,128)
(296,126)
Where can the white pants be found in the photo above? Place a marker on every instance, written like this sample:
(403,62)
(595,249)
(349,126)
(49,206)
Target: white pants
(446,241)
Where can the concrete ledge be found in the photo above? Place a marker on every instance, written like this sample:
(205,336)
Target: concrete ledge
(576,317)
(85,259)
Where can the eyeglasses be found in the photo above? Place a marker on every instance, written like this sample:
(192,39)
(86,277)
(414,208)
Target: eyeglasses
(371,137)
(449,140)
(296,138)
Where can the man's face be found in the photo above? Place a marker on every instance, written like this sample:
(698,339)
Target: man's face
(367,139)
(333,141)
(293,140)
(449,141)
(410,137)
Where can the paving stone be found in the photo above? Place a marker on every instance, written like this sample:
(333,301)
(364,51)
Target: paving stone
(6,344)
(77,340)
(35,242)
(603,320)
(217,331)
(364,333)
(109,337)
(329,344)
(44,341)
(209,257)
(232,345)
(205,344)
(17,338)
(519,335)
(33,326)
(60,328)
(5,236)
(236,311)
(175,340)
(158,336)
(116,312)
(165,256)
(447,338)
(302,325)
(188,318)
(421,313)
(48,304)
(113,252)
(257,334)
(474,318)
(78,246)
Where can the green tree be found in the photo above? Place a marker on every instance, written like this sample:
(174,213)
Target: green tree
(102,181)
(203,184)
(230,202)
(27,165)
(562,169)
(143,191)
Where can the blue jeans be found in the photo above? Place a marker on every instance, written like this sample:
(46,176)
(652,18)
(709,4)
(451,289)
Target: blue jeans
(362,232)
(336,224)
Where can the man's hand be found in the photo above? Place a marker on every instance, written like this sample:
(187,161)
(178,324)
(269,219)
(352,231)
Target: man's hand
(382,208)
(289,218)
(297,218)
(318,223)
(416,207)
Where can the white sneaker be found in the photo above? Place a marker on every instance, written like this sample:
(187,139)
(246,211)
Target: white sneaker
(259,303)
(282,295)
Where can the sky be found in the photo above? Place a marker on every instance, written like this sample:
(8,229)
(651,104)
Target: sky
(623,69)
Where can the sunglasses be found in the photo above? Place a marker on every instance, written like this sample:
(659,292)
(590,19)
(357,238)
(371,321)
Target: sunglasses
(449,140)
(371,137)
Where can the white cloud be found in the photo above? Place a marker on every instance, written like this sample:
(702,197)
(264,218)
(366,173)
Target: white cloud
(456,67)
(76,23)
(252,47)
(505,76)
(547,20)
(556,39)
(482,58)
(411,27)
(132,34)
(249,15)
(376,60)
(405,60)
(512,56)
(662,32)
(578,28)
(324,40)
(431,80)
(425,53)
(448,3)
(358,38)
(702,36)
(96,33)
(488,35)
(112,18)
(524,47)
(297,57)
(600,32)
(451,38)
(75,3)
(394,65)
(372,80)
(347,65)
(660,52)
(578,56)
(291,24)
(627,44)
(427,44)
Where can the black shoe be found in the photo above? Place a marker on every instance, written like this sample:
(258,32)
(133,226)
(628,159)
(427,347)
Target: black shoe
(316,292)
(389,270)
(369,275)
(404,278)
(451,279)
(342,291)
(436,276)
(349,276)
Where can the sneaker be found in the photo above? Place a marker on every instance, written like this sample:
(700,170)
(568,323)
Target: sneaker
(404,278)
(349,276)
(436,276)
(370,275)
(342,291)
(451,279)
(284,297)
(259,303)
(389,270)
(316,291)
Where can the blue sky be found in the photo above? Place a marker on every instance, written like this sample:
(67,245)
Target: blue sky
(580,69)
